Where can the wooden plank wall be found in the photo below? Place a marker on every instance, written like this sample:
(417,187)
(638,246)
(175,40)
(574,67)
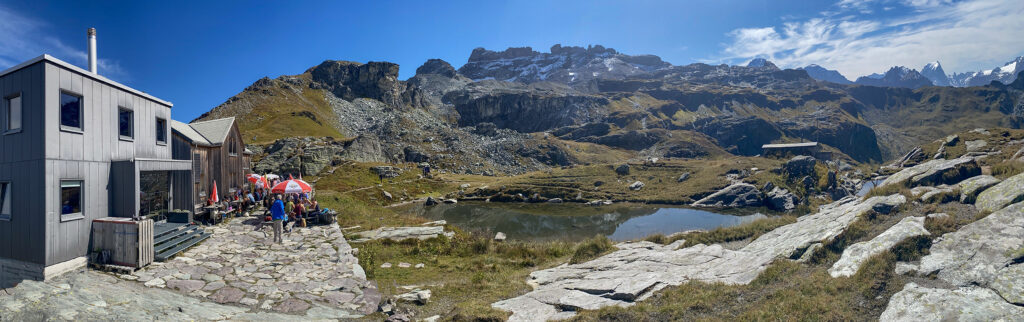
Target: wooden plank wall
(22,164)
(130,242)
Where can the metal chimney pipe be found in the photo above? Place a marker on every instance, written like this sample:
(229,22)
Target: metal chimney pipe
(92,50)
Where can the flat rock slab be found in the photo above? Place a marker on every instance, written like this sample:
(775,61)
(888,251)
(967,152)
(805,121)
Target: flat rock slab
(855,255)
(998,196)
(638,269)
(315,266)
(934,172)
(970,188)
(401,233)
(917,303)
(736,195)
(984,254)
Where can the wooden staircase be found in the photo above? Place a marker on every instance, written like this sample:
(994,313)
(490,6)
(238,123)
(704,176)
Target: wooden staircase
(169,239)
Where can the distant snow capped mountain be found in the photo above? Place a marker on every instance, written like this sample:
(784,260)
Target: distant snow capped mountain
(563,64)
(1005,74)
(933,71)
(761,63)
(824,74)
(898,76)
(875,76)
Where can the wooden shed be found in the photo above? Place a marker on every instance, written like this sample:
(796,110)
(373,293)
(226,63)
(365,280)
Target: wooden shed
(216,152)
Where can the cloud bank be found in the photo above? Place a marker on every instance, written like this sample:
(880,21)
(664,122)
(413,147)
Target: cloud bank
(965,36)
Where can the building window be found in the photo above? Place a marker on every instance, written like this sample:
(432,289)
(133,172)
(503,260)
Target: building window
(232,148)
(161,130)
(70,111)
(5,200)
(70,199)
(197,166)
(125,123)
(13,113)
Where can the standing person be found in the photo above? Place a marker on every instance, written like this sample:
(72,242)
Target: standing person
(277,215)
(289,208)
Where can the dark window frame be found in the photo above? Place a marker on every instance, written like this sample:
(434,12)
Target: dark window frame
(81,112)
(81,201)
(161,129)
(132,126)
(5,201)
(7,113)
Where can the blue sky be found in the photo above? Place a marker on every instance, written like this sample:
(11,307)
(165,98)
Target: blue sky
(199,53)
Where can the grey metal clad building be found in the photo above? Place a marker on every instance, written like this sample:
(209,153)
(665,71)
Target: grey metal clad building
(76,146)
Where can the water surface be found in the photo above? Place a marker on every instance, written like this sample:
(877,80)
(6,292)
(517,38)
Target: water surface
(523,221)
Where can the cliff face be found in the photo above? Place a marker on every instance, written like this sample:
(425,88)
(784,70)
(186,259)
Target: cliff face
(376,80)
(527,111)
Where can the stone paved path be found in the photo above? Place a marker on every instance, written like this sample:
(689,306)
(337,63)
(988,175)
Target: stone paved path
(313,270)
(93,296)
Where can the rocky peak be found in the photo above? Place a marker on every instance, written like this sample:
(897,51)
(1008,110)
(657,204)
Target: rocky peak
(436,66)
(761,63)
(897,76)
(376,80)
(934,72)
(824,74)
(563,64)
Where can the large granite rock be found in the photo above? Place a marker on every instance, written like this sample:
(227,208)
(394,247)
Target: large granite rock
(401,233)
(970,188)
(781,199)
(799,166)
(998,196)
(736,195)
(638,269)
(935,172)
(918,303)
(984,253)
(855,255)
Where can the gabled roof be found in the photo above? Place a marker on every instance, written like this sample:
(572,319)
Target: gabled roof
(790,145)
(86,73)
(215,131)
(189,133)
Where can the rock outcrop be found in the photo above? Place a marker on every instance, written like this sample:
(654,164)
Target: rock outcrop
(734,196)
(970,188)
(638,269)
(998,196)
(855,255)
(919,303)
(376,80)
(935,172)
(781,199)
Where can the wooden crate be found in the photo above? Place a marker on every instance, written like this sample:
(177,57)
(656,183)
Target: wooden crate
(129,242)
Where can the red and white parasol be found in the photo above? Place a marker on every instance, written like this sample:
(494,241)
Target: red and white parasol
(254,178)
(213,194)
(291,186)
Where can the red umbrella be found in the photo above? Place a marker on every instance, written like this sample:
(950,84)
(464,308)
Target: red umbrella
(254,178)
(291,186)
(266,185)
(213,196)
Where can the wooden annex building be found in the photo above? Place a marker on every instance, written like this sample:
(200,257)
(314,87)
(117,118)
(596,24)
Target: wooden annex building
(217,153)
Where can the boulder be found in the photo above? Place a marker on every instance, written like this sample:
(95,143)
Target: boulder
(781,199)
(622,170)
(736,195)
(416,296)
(942,193)
(683,177)
(934,172)
(387,195)
(402,233)
(636,186)
(500,236)
(1004,193)
(855,255)
(555,200)
(799,166)
(951,140)
(970,188)
(431,201)
(975,145)
(918,303)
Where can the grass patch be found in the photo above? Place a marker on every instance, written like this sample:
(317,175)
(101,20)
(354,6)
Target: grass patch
(1007,168)
(591,248)
(749,230)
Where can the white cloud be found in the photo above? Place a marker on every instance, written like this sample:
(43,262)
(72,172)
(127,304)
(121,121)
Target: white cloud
(23,38)
(965,36)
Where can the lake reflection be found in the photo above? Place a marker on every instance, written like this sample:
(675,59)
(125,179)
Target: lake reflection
(567,221)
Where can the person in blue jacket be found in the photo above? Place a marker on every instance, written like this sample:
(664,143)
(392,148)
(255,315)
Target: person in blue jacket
(277,215)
